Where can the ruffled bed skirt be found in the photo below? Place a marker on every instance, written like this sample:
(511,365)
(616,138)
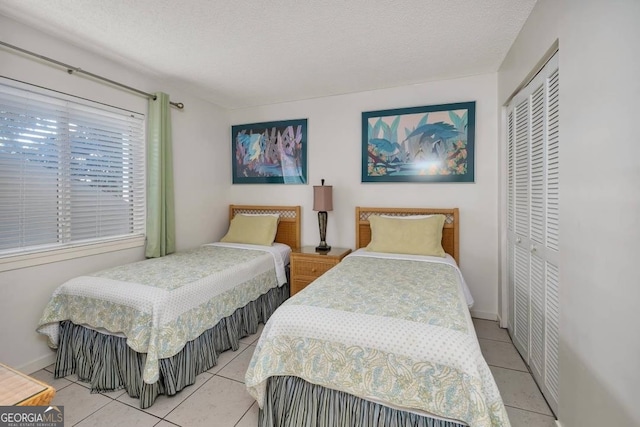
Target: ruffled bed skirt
(107,363)
(293,402)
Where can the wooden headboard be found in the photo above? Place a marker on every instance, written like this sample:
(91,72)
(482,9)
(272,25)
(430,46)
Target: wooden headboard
(288,226)
(450,230)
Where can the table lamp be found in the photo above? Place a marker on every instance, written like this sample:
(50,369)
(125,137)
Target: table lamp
(322,202)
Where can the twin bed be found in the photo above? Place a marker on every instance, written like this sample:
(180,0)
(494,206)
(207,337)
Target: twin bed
(383,338)
(151,327)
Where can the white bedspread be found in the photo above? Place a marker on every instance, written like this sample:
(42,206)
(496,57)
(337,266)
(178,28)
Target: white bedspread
(391,329)
(448,259)
(160,304)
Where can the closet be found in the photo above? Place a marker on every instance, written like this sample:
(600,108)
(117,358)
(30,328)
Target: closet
(532,124)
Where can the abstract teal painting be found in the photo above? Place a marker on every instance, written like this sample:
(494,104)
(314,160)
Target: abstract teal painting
(433,143)
(270,152)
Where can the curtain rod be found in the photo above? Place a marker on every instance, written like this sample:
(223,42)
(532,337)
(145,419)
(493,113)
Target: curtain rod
(71,69)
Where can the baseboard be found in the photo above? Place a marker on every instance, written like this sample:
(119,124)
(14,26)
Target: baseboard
(36,365)
(483,315)
(503,326)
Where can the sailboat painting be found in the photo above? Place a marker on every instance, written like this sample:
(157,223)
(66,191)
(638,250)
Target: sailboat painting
(270,152)
(419,144)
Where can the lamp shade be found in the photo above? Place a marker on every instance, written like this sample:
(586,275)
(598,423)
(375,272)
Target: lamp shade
(322,198)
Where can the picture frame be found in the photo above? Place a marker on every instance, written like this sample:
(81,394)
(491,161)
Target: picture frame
(270,152)
(434,143)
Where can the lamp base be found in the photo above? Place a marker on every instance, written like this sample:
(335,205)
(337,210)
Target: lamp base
(322,224)
(323,247)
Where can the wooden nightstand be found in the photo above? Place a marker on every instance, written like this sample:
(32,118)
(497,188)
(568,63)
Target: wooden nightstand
(307,265)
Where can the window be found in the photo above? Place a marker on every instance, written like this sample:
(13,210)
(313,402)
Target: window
(71,171)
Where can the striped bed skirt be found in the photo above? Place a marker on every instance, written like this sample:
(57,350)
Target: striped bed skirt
(294,402)
(107,363)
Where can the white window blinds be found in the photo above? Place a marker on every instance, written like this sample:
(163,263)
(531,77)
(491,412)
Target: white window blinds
(71,171)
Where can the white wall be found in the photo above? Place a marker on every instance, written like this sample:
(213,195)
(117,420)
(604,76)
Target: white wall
(600,201)
(536,37)
(200,185)
(334,153)
(525,55)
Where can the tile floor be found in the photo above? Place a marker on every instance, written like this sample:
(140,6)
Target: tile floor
(219,398)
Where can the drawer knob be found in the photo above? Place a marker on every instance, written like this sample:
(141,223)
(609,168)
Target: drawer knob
(313,270)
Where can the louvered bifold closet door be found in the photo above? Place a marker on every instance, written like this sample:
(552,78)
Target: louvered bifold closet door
(543,354)
(533,226)
(537,145)
(522,207)
(552,229)
(511,246)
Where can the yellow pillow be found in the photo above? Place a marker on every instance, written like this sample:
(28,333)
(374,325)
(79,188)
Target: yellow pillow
(252,229)
(407,236)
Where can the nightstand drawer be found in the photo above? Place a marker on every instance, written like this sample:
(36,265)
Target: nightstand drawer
(300,283)
(307,265)
(312,268)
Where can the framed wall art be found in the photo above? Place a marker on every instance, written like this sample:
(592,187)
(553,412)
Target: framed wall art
(270,152)
(433,143)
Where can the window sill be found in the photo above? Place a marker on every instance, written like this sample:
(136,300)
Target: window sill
(32,259)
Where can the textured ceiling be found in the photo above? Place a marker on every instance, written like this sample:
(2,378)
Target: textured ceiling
(252,52)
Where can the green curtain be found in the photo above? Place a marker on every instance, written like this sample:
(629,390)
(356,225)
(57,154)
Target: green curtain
(161,234)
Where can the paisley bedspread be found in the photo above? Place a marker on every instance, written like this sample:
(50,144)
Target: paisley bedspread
(391,330)
(160,304)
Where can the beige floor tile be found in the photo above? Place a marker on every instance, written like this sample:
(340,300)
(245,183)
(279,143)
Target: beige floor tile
(78,403)
(111,394)
(250,419)
(165,423)
(502,354)
(220,402)
(73,378)
(114,394)
(227,356)
(520,418)
(237,368)
(489,329)
(165,404)
(47,378)
(82,383)
(118,414)
(252,339)
(519,390)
